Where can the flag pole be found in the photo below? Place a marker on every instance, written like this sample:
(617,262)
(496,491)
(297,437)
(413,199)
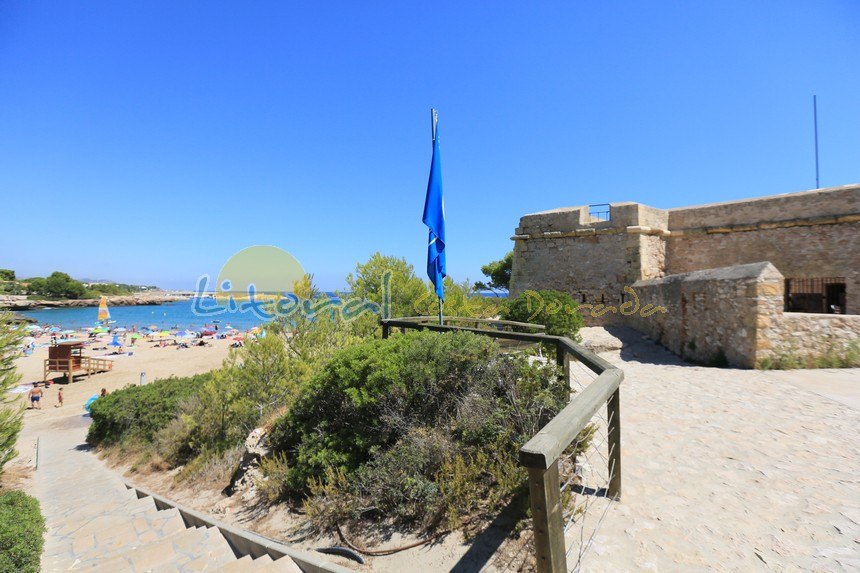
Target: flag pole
(815,121)
(433,120)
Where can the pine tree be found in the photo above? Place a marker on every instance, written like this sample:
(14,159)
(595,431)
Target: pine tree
(11,411)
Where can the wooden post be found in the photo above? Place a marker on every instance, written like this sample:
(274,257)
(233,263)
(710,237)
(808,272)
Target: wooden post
(561,361)
(385,330)
(613,414)
(545,497)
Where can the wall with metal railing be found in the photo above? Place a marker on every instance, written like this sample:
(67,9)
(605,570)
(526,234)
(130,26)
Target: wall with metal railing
(571,479)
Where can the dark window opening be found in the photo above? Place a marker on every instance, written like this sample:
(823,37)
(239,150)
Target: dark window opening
(821,295)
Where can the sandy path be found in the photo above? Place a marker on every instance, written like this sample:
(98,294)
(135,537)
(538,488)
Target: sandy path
(733,470)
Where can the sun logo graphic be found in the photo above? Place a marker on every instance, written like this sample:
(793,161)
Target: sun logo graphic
(261,269)
(260,280)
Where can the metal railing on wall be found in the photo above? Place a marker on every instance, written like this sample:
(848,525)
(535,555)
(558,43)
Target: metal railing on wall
(574,462)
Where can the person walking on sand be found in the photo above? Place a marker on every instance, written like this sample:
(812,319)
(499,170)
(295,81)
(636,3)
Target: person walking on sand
(59,398)
(35,397)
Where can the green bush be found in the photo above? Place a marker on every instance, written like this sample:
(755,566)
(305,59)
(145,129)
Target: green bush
(556,310)
(21,533)
(347,410)
(139,412)
(376,431)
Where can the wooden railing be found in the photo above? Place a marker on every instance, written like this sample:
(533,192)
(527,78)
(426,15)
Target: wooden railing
(540,455)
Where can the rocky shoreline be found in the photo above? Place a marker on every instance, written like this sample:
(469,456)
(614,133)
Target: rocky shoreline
(12,302)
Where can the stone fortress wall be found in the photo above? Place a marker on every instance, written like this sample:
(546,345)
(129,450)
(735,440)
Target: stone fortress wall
(662,253)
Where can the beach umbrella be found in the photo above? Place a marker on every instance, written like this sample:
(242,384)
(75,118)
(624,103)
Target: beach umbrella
(120,329)
(99,330)
(90,401)
(32,327)
(54,329)
(185,334)
(238,338)
(152,327)
(115,341)
(28,340)
(67,332)
(134,336)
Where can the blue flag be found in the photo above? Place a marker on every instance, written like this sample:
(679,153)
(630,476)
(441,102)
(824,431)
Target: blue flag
(434,218)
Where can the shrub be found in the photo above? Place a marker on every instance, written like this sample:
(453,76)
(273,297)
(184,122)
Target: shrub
(416,428)
(370,393)
(21,529)
(139,412)
(556,310)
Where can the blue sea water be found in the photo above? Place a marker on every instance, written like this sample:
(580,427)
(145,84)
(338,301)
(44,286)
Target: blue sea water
(168,316)
(164,316)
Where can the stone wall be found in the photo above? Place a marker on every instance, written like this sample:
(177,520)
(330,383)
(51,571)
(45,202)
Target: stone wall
(826,249)
(564,249)
(803,335)
(712,316)
(820,203)
(736,314)
(805,235)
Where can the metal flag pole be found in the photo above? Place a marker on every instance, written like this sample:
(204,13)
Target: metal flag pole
(815,120)
(434,118)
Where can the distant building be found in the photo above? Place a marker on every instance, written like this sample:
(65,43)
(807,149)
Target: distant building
(811,240)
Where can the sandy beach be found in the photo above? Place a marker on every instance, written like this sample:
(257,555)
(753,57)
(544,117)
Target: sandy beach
(146,356)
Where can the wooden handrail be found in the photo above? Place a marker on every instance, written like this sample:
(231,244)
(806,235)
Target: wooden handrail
(541,453)
(435,319)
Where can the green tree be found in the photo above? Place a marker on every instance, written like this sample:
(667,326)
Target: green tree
(61,285)
(406,287)
(556,310)
(11,411)
(499,273)
(261,371)
(7,275)
(35,286)
(316,332)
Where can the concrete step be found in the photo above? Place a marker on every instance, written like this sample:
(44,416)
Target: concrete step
(265,564)
(246,563)
(172,549)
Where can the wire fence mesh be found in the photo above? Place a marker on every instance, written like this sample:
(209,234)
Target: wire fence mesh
(585,472)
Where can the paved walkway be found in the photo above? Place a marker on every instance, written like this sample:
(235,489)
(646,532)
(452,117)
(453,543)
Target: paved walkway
(95,524)
(733,470)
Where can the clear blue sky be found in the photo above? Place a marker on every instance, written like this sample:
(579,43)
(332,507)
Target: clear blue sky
(149,141)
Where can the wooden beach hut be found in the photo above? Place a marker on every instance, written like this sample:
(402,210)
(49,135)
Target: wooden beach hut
(68,358)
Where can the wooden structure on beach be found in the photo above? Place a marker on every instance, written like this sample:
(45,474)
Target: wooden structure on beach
(68,358)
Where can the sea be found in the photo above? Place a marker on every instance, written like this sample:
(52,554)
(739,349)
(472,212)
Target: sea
(173,315)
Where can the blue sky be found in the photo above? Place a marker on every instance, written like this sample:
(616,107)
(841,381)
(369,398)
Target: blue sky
(147,142)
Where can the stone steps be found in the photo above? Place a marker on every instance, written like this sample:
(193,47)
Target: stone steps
(95,524)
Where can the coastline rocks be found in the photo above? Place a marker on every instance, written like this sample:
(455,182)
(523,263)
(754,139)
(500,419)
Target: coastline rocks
(18,302)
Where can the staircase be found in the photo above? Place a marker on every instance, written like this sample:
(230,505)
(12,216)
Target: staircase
(95,523)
